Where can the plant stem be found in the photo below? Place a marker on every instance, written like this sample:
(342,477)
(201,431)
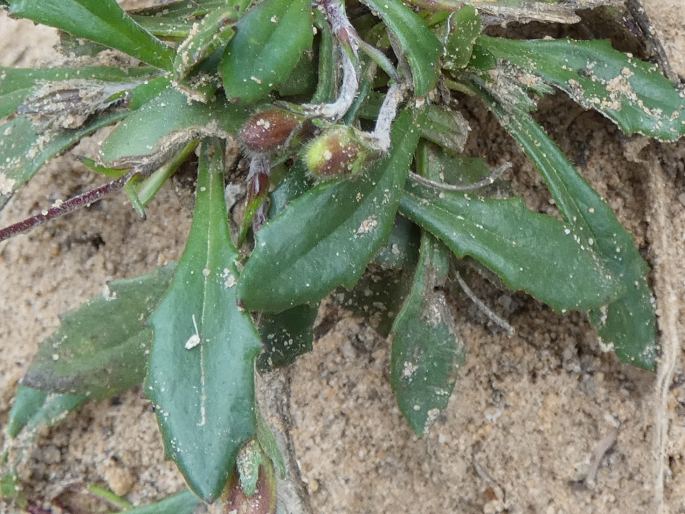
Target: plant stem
(387,114)
(109,497)
(75,203)
(149,189)
(489,180)
(348,46)
(500,322)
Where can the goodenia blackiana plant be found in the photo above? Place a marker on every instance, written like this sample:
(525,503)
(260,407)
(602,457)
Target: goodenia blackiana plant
(340,122)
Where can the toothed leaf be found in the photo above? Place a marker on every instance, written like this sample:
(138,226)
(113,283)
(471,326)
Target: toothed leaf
(529,251)
(201,368)
(632,93)
(101,348)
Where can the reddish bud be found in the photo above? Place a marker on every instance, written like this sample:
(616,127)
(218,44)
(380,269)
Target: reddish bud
(268,130)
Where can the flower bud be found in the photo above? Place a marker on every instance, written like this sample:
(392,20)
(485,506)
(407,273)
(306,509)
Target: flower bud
(268,130)
(337,152)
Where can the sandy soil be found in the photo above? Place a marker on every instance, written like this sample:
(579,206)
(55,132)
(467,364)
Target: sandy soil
(528,415)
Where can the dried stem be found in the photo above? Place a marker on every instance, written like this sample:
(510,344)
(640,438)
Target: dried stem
(348,46)
(380,137)
(487,181)
(73,204)
(484,308)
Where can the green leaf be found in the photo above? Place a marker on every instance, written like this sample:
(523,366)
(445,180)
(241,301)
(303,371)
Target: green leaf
(294,184)
(11,490)
(402,248)
(200,376)
(210,34)
(464,28)
(101,348)
(180,503)
(286,336)
(426,352)
(180,8)
(17,84)
(101,21)
(632,93)
(461,170)
(176,19)
(23,152)
(156,131)
(33,408)
(267,440)
(327,236)
(269,42)
(326,86)
(446,128)
(420,47)
(302,81)
(531,252)
(629,323)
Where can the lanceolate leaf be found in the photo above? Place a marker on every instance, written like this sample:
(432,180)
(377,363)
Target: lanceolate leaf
(269,42)
(632,93)
(202,362)
(421,48)
(17,84)
(163,125)
(628,324)
(23,151)
(33,408)
(102,21)
(528,251)
(425,349)
(326,237)
(101,348)
(181,503)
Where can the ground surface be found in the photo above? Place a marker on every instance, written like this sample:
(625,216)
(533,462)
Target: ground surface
(527,415)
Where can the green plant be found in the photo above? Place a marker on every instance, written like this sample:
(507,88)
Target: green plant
(345,115)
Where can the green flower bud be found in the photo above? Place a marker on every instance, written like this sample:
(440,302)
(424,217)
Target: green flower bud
(339,151)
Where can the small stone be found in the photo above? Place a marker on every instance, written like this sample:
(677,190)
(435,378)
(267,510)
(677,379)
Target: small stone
(119,479)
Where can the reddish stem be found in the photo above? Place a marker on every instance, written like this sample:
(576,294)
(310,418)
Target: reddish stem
(75,203)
